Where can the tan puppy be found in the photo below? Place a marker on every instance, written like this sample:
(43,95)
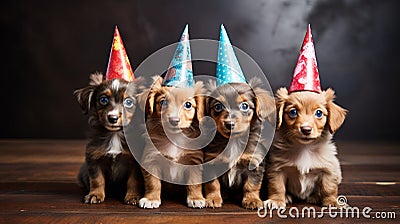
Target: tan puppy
(176,112)
(302,161)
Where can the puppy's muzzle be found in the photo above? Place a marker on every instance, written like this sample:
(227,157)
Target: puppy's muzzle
(174,121)
(113,119)
(229,125)
(306,130)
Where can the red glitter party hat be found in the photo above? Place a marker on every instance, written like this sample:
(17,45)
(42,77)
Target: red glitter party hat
(118,63)
(306,76)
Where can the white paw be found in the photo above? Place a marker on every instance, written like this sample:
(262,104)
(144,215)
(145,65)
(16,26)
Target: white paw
(273,204)
(146,203)
(196,203)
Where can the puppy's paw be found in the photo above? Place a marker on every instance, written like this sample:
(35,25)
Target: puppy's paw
(147,203)
(333,202)
(94,198)
(196,203)
(274,204)
(252,203)
(214,202)
(131,199)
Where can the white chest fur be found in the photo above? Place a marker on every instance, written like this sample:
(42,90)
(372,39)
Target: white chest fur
(115,145)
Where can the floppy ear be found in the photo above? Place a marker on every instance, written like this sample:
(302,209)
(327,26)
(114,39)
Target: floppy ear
(200,99)
(265,105)
(84,97)
(336,114)
(280,100)
(147,97)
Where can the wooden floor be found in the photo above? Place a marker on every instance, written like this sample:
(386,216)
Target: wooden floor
(38,185)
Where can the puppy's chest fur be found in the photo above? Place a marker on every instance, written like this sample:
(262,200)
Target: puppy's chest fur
(303,166)
(237,154)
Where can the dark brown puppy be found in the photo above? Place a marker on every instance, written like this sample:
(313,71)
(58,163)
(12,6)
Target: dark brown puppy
(238,110)
(111,105)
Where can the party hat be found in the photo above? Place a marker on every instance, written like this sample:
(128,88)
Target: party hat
(228,68)
(306,76)
(118,63)
(180,73)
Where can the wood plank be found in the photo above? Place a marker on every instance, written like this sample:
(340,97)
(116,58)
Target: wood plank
(38,185)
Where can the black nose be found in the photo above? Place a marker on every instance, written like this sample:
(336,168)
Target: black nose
(112,119)
(174,121)
(230,125)
(306,130)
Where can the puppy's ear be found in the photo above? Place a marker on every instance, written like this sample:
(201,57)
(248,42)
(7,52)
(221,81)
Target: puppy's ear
(84,97)
(336,114)
(147,97)
(265,105)
(280,100)
(200,99)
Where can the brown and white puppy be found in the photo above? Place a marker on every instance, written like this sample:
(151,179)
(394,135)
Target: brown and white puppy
(302,161)
(171,113)
(111,105)
(238,110)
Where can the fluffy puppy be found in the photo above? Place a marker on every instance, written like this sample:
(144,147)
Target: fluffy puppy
(173,116)
(110,105)
(302,161)
(238,110)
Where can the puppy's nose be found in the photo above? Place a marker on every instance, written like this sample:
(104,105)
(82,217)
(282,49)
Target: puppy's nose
(174,121)
(112,119)
(230,125)
(306,130)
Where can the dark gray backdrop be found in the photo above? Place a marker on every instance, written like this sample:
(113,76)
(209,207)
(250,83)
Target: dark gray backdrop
(50,47)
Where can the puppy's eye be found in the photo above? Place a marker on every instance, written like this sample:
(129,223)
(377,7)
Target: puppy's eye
(293,113)
(319,113)
(218,107)
(163,103)
(128,103)
(187,105)
(244,107)
(104,100)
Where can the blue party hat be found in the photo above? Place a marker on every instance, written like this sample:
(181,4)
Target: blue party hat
(180,73)
(228,68)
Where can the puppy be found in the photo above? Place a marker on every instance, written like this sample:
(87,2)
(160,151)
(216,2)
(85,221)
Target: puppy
(302,161)
(238,110)
(111,106)
(173,116)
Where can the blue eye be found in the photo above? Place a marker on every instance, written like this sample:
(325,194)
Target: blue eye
(163,103)
(319,113)
(244,107)
(103,100)
(128,103)
(293,113)
(218,107)
(188,105)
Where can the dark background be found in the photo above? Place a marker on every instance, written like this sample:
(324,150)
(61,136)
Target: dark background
(49,48)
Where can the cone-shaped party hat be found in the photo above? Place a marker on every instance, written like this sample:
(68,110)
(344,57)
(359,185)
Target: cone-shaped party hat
(180,73)
(228,68)
(118,63)
(306,76)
